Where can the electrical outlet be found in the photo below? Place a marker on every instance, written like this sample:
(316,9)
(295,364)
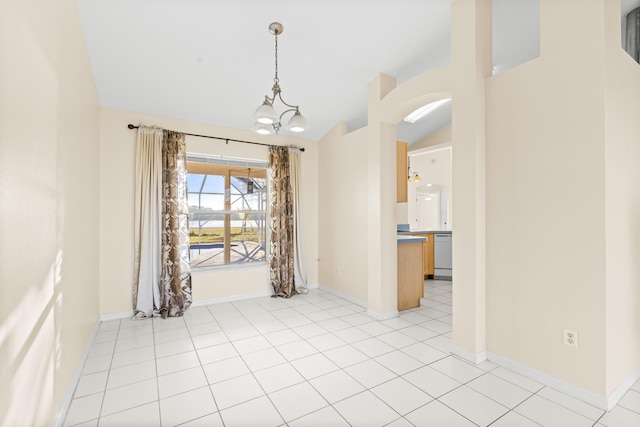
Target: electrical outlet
(571,338)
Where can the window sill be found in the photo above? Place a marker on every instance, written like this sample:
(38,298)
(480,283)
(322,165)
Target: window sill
(245,265)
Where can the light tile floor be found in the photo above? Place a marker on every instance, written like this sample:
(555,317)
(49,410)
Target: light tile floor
(312,360)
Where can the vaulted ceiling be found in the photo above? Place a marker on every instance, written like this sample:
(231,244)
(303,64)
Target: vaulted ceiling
(212,61)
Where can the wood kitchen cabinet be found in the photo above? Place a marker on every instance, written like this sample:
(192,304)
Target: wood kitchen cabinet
(428,264)
(410,278)
(401,171)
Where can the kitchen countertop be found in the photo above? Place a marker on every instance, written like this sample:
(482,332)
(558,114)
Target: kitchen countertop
(405,238)
(409,232)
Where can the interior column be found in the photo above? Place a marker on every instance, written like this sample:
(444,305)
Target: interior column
(471,60)
(381,202)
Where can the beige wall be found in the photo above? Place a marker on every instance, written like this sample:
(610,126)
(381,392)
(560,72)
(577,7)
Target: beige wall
(357,208)
(117,162)
(357,174)
(561,131)
(561,199)
(622,208)
(441,136)
(537,246)
(545,218)
(48,207)
(342,218)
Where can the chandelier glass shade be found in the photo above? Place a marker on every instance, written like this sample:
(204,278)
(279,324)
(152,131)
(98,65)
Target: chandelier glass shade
(267,119)
(412,176)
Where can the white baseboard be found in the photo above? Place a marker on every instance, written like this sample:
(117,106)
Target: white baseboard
(61,416)
(231,298)
(467,355)
(304,289)
(622,388)
(383,316)
(129,314)
(372,313)
(116,316)
(343,295)
(599,401)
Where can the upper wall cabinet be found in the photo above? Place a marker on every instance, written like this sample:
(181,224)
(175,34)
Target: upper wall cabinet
(401,171)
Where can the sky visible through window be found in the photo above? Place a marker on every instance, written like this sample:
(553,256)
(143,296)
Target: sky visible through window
(223,233)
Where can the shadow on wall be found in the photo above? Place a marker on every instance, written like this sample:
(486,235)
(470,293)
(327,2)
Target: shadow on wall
(34,348)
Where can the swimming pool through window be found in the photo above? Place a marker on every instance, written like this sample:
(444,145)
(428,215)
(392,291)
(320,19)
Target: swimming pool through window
(227,211)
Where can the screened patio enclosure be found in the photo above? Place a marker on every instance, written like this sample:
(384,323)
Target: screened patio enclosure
(227,212)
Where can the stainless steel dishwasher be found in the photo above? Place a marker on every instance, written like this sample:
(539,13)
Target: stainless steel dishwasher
(442,256)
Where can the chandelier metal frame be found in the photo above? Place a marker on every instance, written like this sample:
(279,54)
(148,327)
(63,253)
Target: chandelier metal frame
(266,114)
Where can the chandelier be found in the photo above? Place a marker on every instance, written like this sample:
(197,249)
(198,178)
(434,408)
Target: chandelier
(267,119)
(412,176)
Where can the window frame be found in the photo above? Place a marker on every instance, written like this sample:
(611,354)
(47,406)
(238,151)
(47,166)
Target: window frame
(233,168)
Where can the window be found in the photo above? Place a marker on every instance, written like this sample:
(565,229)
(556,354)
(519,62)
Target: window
(227,211)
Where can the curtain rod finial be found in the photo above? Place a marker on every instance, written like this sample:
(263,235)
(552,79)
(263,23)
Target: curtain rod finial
(130,126)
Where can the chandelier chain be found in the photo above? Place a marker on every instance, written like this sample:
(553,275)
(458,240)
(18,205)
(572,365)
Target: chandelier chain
(276,80)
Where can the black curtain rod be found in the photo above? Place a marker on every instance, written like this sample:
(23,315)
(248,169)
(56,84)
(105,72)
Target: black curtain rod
(130,126)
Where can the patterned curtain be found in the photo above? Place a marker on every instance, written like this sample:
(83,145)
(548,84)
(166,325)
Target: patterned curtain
(282,232)
(175,286)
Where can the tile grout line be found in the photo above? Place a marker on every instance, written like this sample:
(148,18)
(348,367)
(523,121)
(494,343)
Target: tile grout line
(567,407)
(155,363)
(215,401)
(369,358)
(106,384)
(520,404)
(289,362)
(252,373)
(201,366)
(245,312)
(260,334)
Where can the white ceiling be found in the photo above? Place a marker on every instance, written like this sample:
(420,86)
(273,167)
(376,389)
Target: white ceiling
(212,61)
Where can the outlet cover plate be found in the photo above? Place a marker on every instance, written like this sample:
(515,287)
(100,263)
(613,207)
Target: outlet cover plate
(570,338)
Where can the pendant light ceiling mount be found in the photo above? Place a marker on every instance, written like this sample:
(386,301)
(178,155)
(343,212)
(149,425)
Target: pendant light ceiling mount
(267,120)
(276,28)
